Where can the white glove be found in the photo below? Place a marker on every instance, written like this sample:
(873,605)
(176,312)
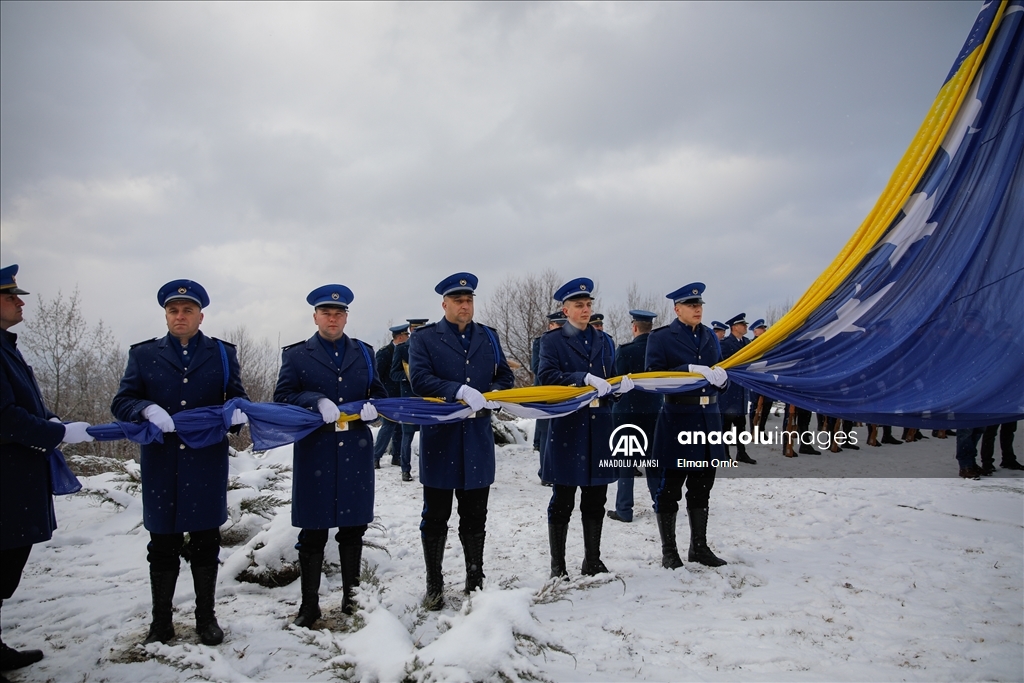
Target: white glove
(56,419)
(74,432)
(601,385)
(368,412)
(715,376)
(473,398)
(625,385)
(239,418)
(328,410)
(159,417)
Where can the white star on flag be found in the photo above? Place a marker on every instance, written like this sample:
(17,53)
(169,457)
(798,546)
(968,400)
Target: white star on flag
(849,313)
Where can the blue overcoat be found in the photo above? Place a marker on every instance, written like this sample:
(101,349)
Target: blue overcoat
(458,455)
(675,347)
(183,489)
(332,474)
(576,442)
(636,407)
(733,401)
(27,436)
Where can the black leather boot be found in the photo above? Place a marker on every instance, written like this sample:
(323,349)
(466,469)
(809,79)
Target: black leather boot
(205,581)
(162,583)
(433,556)
(11,659)
(351,563)
(556,543)
(310,569)
(699,550)
(592,564)
(473,548)
(669,552)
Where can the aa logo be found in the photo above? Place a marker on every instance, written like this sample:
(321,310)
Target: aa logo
(629,441)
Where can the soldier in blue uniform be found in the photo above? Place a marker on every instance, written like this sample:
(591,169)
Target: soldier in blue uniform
(733,401)
(685,345)
(638,408)
(184,490)
(29,431)
(719,329)
(759,401)
(400,373)
(456,359)
(540,430)
(389,432)
(332,479)
(577,355)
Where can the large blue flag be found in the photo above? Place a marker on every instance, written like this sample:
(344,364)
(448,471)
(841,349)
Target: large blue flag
(919,321)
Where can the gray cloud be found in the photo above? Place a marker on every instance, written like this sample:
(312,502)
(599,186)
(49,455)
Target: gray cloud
(264,149)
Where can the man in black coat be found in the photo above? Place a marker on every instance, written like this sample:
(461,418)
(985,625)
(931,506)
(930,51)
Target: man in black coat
(638,408)
(28,433)
(540,430)
(733,401)
(389,432)
(184,489)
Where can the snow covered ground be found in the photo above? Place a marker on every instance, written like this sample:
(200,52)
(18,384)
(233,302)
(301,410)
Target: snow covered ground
(829,578)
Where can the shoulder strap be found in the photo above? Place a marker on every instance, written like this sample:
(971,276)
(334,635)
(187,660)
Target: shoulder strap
(369,365)
(494,346)
(224,365)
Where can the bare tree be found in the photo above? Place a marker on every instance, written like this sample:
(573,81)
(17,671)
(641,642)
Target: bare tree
(78,368)
(617,321)
(259,361)
(518,310)
(774,312)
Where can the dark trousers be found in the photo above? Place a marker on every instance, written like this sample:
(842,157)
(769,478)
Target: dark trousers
(698,481)
(389,434)
(967,446)
(988,444)
(406,450)
(12,563)
(437,510)
(203,549)
(315,540)
(766,409)
(563,499)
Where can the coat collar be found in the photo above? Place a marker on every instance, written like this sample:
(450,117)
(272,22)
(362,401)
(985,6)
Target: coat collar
(447,332)
(169,354)
(575,342)
(317,351)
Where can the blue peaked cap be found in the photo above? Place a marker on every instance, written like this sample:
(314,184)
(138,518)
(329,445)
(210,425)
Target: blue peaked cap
(687,294)
(557,317)
(8,285)
(740,319)
(758,323)
(574,289)
(716,325)
(458,283)
(339,296)
(642,316)
(398,329)
(183,289)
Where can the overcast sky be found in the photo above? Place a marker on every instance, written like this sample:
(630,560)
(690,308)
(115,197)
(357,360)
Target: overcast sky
(265,149)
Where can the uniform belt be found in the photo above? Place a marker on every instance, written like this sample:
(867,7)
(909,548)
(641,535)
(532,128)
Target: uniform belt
(354,424)
(675,399)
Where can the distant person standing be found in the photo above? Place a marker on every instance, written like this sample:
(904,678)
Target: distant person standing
(720,329)
(456,359)
(389,433)
(733,401)
(540,430)
(639,408)
(400,373)
(29,431)
(332,481)
(578,355)
(685,345)
(184,489)
(760,405)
